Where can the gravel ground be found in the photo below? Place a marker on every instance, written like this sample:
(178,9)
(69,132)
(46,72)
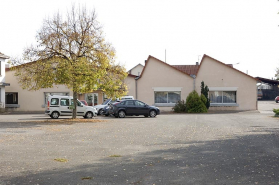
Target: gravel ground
(223,148)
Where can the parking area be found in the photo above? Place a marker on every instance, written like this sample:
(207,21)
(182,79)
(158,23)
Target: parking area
(223,148)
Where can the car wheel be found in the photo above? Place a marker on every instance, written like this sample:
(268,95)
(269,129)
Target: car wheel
(277,101)
(152,114)
(55,115)
(101,112)
(121,114)
(89,115)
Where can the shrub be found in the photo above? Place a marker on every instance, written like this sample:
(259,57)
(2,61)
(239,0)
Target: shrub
(204,91)
(276,111)
(203,99)
(180,106)
(194,103)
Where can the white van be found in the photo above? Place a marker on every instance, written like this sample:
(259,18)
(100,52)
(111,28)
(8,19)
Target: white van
(61,106)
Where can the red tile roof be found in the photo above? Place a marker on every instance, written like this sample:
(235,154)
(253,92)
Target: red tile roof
(189,69)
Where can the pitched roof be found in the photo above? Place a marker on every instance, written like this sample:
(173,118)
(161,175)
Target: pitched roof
(149,57)
(3,56)
(228,65)
(136,66)
(189,69)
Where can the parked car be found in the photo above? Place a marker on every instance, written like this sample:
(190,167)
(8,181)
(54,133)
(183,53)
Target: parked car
(100,107)
(84,102)
(133,107)
(277,99)
(62,106)
(107,107)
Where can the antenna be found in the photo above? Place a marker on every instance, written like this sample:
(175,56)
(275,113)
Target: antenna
(165,55)
(197,63)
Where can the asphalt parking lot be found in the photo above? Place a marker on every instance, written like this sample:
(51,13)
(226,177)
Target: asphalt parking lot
(221,148)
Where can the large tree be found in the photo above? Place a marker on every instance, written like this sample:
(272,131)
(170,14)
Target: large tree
(73,52)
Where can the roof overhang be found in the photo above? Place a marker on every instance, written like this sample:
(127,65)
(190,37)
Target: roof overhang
(268,81)
(4,56)
(4,84)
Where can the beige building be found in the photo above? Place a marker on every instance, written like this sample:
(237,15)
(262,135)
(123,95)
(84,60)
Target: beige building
(229,89)
(18,99)
(157,83)
(162,85)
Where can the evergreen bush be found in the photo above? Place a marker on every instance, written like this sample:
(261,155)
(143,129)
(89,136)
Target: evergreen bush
(194,103)
(203,99)
(204,91)
(180,106)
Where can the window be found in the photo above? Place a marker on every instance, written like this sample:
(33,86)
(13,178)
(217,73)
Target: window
(139,104)
(78,102)
(167,97)
(129,103)
(222,97)
(46,94)
(11,97)
(64,102)
(54,101)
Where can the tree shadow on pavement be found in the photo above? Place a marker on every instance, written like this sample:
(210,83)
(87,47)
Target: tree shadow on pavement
(249,159)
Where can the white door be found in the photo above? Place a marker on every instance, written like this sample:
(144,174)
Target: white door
(92,99)
(80,108)
(65,106)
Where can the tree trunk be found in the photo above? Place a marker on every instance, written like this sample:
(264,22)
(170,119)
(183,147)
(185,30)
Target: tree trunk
(75,105)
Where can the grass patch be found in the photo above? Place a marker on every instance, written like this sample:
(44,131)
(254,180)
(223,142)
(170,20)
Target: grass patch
(86,178)
(62,160)
(115,156)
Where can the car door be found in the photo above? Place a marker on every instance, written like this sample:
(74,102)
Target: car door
(65,107)
(141,108)
(80,108)
(130,107)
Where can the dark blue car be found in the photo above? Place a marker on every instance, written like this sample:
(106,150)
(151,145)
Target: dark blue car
(133,108)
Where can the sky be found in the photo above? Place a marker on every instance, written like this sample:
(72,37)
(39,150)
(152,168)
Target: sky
(244,33)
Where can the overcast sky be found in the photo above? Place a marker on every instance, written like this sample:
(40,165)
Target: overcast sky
(231,31)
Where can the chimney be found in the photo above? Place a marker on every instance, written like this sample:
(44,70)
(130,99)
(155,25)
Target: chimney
(197,63)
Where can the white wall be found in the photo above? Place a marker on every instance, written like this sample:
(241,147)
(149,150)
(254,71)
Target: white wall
(2,79)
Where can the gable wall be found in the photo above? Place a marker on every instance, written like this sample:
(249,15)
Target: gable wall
(215,74)
(131,85)
(158,74)
(137,70)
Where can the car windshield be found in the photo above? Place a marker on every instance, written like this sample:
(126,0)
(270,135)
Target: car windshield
(106,102)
